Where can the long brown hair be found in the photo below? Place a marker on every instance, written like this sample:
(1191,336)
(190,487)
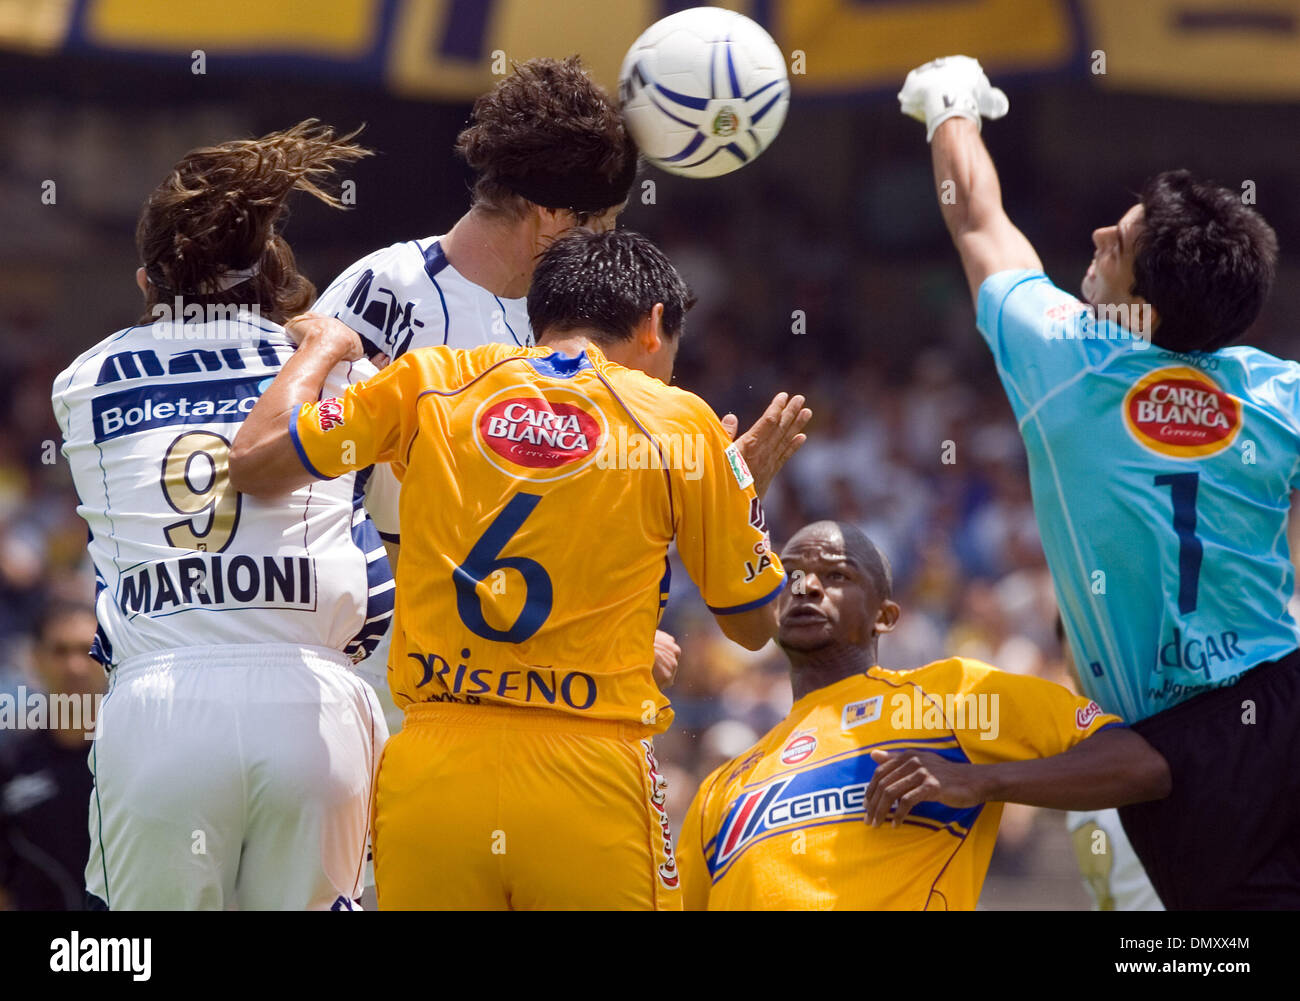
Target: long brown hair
(221,209)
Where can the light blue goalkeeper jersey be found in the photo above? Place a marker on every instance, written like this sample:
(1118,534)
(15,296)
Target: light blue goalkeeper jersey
(1161,484)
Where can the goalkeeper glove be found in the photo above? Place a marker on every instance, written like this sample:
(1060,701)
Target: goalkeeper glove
(953,85)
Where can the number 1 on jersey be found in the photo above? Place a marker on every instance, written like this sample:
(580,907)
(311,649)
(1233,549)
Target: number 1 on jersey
(1182,491)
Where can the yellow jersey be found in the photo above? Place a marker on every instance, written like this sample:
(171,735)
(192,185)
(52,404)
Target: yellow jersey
(540,494)
(783,825)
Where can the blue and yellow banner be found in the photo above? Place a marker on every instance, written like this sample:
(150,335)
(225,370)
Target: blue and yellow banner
(455,49)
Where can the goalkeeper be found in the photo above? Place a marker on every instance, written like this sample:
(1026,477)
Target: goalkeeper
(1162,461)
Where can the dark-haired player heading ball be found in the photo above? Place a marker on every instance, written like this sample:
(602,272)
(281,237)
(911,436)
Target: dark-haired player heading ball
(1162,462)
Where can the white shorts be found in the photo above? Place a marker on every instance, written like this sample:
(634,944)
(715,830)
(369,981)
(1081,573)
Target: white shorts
(233,777)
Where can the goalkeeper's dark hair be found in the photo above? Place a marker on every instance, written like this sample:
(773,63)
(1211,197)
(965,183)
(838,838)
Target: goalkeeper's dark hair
(1204,261)
(607,282)
(222,209)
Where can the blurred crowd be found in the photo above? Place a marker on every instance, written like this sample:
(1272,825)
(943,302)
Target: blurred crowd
(42,541)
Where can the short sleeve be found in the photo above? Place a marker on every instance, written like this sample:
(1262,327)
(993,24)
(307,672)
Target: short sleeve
(1040,335)
(371,422)
(721,529)
(1016,717)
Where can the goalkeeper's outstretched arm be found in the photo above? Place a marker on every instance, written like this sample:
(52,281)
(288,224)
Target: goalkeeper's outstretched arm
(970,199)
(952,96)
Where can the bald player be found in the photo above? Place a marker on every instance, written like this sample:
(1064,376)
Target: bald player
(883,789)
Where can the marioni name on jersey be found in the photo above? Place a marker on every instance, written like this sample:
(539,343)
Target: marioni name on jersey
(211,580)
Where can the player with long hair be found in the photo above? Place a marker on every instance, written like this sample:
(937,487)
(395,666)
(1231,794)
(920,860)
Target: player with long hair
(235,751)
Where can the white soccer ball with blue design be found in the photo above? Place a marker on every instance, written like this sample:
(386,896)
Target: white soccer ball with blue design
(704,91)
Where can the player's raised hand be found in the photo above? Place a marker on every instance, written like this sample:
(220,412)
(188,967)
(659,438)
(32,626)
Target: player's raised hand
(667,653)
(911,777)
(325,334)
(944,88)
(775,437)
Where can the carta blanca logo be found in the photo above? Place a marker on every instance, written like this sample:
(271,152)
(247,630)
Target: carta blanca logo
(75,954)
(133,410)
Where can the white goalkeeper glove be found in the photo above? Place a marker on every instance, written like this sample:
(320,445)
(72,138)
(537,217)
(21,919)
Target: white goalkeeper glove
(944,88)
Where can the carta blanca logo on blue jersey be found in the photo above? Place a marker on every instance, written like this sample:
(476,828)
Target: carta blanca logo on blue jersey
(163,405)
(821,794)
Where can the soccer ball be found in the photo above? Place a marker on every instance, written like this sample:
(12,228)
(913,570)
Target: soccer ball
(704,91)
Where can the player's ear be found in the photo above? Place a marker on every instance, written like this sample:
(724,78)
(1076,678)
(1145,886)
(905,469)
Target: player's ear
(650,331)
(141,281)
(555,223)
(887,617)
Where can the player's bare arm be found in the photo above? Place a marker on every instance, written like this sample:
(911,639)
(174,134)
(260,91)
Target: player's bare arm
(951,95)
(751,629)
(773,439)
(1114,767)
(970,198)
(263,460)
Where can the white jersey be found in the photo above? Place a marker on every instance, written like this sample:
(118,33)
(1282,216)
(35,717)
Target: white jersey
(409,296)
(182,559)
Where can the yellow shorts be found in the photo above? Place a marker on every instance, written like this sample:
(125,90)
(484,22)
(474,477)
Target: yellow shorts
(492,807)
